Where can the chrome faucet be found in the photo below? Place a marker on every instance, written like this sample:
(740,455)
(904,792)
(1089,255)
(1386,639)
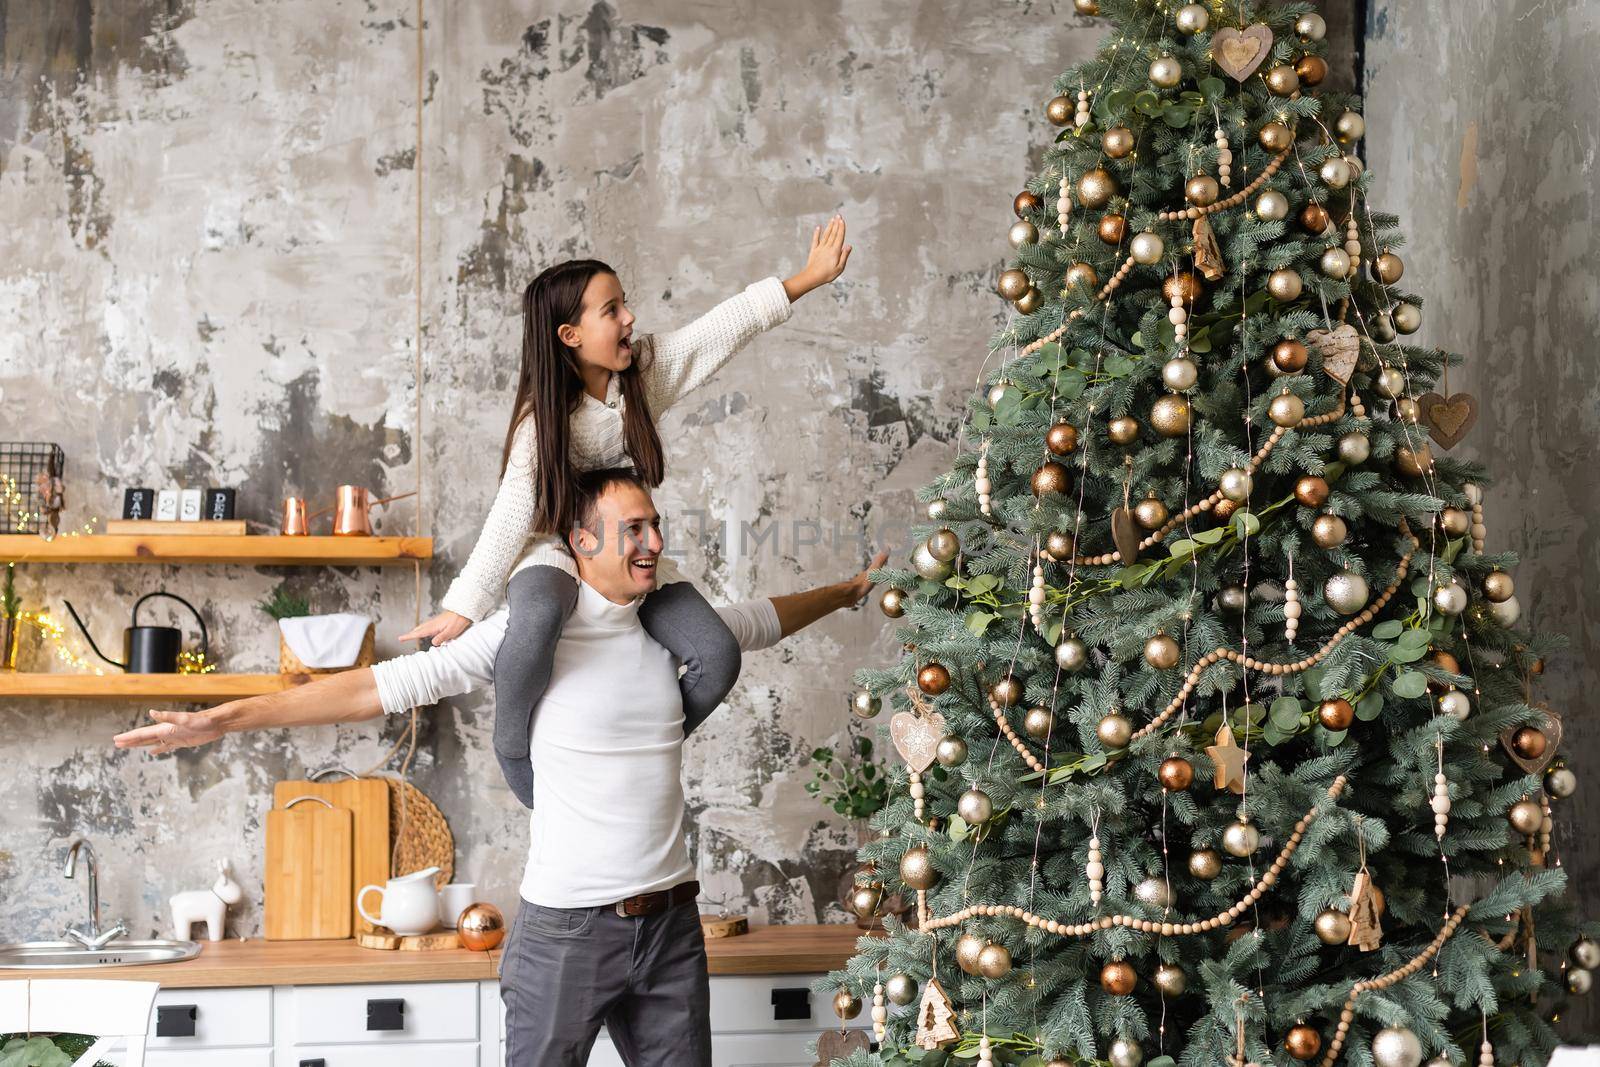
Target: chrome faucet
(89,934)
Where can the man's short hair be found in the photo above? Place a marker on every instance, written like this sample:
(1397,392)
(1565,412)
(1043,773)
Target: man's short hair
(590,486)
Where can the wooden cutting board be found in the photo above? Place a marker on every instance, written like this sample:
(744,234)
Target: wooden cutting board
(307,874)
(368,802)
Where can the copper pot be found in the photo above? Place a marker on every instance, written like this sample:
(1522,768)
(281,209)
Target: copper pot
(352,510)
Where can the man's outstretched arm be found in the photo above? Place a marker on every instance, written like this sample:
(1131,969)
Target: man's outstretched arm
(350,696)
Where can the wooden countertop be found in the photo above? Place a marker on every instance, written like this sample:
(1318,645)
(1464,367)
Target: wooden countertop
(764,950)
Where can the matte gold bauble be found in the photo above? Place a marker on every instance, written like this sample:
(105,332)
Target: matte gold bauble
(1388,268)
(1179,374)
(1114,731)
(1081,275)
(1007,691)
(938,508)
(1354,447)
(481,927)
(933,679)
(1414,461)
(994,961)
(1333,927)
(1060,546)
(1112,228)
(1335,263)
(1311,26)
(1285,285)
(1176,773)
(1530,742)
(1192,18)
(1335,172)
(916,868)
(1117,142)
(1061,439)
(893,603)
(1525,817)
(1272,206)
(1025,202)
(1407,408)
(1147,248)
(864,900)
(974,807)
(1150,513)
(1038,723)
(1314,218)
(1498,587)
(1029,302)
(1289,355)
(1235,484)
(864,705)
(1349,128)
(1302,1042)
(1096,188)
(1118,978)
(1240,838)
(1022,233)
(1123,430)
(952,751)
(1282,80)
(1201,190)
(1275,137)
(1162,652)
(1286,410)
(1183,285)
(1455,522)
(944,545)
(1205,864)
(1311,69)
(967,948)
(1051,477)
(1336,714)
(1166,72)
(1311,490)
(1580,981)
(846,1005)
(1013,283)
(1170,415)
(1072,655)
(1059,110)
(927,567)
(1407,318)
(1125,1052)
(901,989)
(1328,531)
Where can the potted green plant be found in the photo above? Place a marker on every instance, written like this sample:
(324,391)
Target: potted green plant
(284,605)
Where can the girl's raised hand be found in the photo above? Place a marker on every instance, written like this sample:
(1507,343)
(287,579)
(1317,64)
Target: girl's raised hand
(441,629)
(824,262)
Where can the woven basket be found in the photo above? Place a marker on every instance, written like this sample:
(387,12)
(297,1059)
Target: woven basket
(289,663)
(418,835)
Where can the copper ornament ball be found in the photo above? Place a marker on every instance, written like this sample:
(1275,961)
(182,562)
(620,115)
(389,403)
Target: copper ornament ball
(1176,773)
(1530,742)
(1414,462)
(1223,510)
(1302,1042)
(1007,691)
(1201,190)
(1171,415)
(1282,80)
(1059,546)
(1275,137)
(1328,531)
(1388,268)
(1183,285)
(933,679)
(846,1005)
(1289,355)
(1311,69)
(1025,202)
(1123,430)
(968,946)
(1498,587)
(1446,662)
(1162,652)
(1086,7)
(1059,110)
(1118,978)
(1029,302)
(1311,490)
(1096,188)
(994,961)
(1112,228)
(1336,714)
(1080,275)
(1013,283)
(481,927)
(1150,513)
(893,603)
(1061,439)
(1051,477)
(1315,218)
(1117,142)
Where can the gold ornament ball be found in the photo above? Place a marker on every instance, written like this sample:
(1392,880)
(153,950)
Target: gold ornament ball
(1201,190)
(1285,285)
(1407,409)
(917,870)
(1205,864)
(1125,1052)
(1333,927)
(1007,691)
(893,603)
(1170,415)
(952,751)
(1585,953)
(1051,477)
(901,989)
(864,705)
(994,961)
(1150,513)
(1414,462)
(1310,26)
(974,807)
(1161,652)
(938,508)
(1286,410)
(944,545)
(1123,430)
(1530,742)
(1282,80)
(864,900)
(1580,981)
(933,679)
(1233,599)
(1349,128)
(1028,302)
(1086,7)
(1455,522)
(1184,286)
(1192,18)
(1025,202)
(1311,69)
(1147,248)
(1407,318)
(1290,355)
(1114,731)
(1335,173)
(927,567)
(1346,592)
(1059,110)
(1179,374)
(1354,447)
(1235,484)
(1038,723)
(1314,218)
(1328,531)
(1498,587)
(1311,490)
(1275,137)
(1061,439)
(1240,838)
(846,1005)
(1166,72)
(1081,275)
(1302,1042)
(481,927)
(1272,206)
(967,948)
(1022,233)
(1388,268)
(1013,283)
(1171,980)
(1335,263)
(1118,978)
(1112,228)
(1395,1046)
(1072,655)
(1336,714)
(1117,142)
(1096,188)
(1059,546)
(1176,773)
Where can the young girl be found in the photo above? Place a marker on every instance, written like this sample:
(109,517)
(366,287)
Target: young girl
(587,396)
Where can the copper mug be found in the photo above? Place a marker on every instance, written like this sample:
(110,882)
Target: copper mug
(296,522)
(352,510)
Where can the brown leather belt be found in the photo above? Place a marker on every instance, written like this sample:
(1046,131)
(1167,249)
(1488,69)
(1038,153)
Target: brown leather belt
(660,900)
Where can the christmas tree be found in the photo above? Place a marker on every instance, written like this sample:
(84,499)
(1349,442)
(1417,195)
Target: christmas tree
(1220,741)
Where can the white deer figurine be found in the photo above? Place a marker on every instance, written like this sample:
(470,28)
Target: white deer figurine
(205,905)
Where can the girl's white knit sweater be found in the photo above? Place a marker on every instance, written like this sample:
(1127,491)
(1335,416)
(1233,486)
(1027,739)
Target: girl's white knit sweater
(670,364)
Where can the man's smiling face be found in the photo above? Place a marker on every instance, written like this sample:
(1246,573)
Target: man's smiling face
(620,543)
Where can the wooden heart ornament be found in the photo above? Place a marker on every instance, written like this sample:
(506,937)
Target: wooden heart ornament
(1240,52)
(1552,730)
(1448,418)
(1125,535)
(839,1044)
(917,738)
(1339,349)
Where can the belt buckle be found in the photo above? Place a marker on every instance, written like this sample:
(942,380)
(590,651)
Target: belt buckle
(622,909)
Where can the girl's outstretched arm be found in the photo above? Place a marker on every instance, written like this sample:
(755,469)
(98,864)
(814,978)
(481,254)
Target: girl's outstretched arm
(826,261)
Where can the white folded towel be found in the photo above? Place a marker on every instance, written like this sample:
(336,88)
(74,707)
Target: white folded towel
(325,640)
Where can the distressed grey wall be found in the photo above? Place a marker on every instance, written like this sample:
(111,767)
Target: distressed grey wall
(207,257)
(1482,134)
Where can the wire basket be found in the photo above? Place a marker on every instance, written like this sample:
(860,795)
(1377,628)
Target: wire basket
(30,487)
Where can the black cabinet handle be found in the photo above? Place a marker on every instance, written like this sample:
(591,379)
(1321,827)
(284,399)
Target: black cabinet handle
(386,1014)
(176,1020)
(318,1062)
(791,1003)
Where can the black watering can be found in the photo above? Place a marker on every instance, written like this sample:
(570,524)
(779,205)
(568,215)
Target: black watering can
(148,649)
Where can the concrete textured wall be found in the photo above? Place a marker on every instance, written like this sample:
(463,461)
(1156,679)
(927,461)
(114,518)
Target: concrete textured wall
(207,255)
(1482,135)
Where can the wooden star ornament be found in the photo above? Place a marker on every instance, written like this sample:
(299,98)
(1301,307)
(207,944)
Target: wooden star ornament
(1229,760)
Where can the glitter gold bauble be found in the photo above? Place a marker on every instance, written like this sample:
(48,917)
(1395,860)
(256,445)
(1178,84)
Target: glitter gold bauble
(1336,714)
(1176,773)
(1061,439)
(1286,410)
(846,1005)
(1170,415)
(1201,190)
(1112,228)
(1059,110)
(1311,69)
(1328,531)
(1345,592)
(893,603)
(1007,691)
(1072,655)
(1183,285)
(1153,893)
(1117,142)
(1388,268)
(916,868)
(994,961)
(1162,652)
(1205,864)
(1051,477)
(1150,513)
(1302,1042)
(933,679)
(1192,18)
(1114,731)
(1285,285)
(1080,275)
(481,927)
(1013,283)
(1096,188)
(1118,978)
(1235,484)
(974,807)
(1289,355)
(952,751)
(1333,927)
(967,948)
(1123,430)
(1170,979)
(1282,80)
(1029,302)
(1275,137)
(1038,723)
(1395,1046)
(1025,202)
(1272,206)
(1059,546)
(1315,218)
(1147,248)
(1311,490)
(864,900)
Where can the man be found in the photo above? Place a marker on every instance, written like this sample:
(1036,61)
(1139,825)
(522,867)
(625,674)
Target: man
(608,931)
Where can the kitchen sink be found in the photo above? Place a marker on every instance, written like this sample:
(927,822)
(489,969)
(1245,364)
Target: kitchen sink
(70,954)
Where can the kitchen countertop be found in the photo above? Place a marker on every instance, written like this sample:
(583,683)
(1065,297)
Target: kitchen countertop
(764,950)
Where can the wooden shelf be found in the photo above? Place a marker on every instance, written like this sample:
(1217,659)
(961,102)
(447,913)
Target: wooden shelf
(173,687)
(269,550)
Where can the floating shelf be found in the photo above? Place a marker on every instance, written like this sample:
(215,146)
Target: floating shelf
(172,687)
(270,550)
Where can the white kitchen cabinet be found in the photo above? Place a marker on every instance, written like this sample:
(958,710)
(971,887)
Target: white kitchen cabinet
(210,1057)
(388,1014)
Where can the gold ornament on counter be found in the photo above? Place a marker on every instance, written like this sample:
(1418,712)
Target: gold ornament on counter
(481,927)
(1228,759)
(1239,53)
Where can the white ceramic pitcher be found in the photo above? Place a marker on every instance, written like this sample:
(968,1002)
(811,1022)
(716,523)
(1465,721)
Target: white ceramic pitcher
(408,904)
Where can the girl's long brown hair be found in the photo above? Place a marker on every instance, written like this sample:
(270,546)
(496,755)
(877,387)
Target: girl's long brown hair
(550,388)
